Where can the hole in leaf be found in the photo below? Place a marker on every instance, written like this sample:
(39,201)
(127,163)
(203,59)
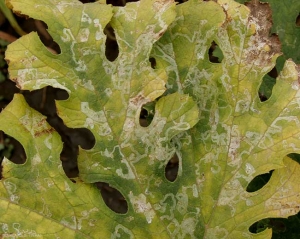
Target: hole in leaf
(68,159)
(72,180)
(60,94)
(273,73)
(43,100)
(258,182)
(46,38)
(111,45)
(11,149)
(119,2)
(82,137)
(7,90)
(147,113)
(87,1)
(215,54)
(152,62)
(112,198)
(298,20)
(181,1)
(295,157)
(278,225)
(171,170)
(72,138)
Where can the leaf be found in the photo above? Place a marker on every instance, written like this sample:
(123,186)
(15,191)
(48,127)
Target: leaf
(106,98)
(237,136)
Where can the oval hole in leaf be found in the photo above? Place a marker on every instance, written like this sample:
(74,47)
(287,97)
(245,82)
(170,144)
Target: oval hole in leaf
(113,198)
(11,149)
(152,62)
(215,54)
(147,113)
(171,169)
(298,20)
(258,182)
(111,45)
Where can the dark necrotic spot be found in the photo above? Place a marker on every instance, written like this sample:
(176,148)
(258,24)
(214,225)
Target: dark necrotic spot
(113,198)
(111,45)
(171,169)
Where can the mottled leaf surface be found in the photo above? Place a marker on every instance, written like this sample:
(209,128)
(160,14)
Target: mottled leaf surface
(238,137)
(211,117)
(104,97)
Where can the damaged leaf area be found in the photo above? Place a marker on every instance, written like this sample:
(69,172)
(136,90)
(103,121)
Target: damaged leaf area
(286,25)
(208,114)
(238,137)
(106,98)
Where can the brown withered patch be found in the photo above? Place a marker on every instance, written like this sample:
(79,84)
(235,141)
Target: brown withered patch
(261,14)
(44,131)
(137,100)
(41,122)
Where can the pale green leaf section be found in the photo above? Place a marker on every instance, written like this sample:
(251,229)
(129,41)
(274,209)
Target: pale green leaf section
(106,98)
(238,137)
